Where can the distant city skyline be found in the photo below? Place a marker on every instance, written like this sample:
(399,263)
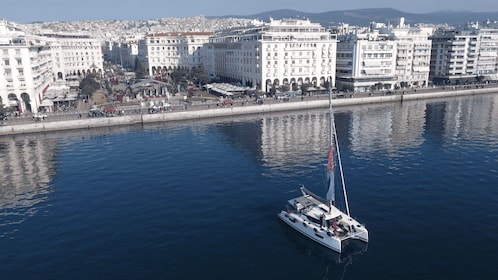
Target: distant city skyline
(26,11)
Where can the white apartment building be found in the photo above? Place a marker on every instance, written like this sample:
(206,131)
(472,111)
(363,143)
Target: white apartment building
(25,69)
(123,53)
(366,60)
(75,54)
(31,64)
(488,53)
(266,55)
(162,53)
(413,54)
(383,56)
(464,55)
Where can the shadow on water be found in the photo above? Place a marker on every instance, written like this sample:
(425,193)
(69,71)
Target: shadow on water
(335,264)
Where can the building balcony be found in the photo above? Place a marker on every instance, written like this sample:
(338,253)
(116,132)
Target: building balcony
(487,53)
(420,69)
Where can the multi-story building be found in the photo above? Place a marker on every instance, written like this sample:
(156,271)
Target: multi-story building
(165,52)
(122,53)
(365,61)
(413,54)
(383,56)
(464,55)
(25,69)
(265,55)
(488,53)
(31,64)
(75,54)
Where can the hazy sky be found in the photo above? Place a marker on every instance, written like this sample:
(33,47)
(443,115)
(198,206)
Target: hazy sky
(25,11)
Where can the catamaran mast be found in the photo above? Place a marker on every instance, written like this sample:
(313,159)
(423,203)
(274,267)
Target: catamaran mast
(330,197)
(334,142)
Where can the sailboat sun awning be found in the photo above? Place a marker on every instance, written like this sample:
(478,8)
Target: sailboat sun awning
(304,201)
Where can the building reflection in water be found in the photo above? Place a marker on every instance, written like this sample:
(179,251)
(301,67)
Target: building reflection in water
(27,166)
(26,169)
(296,139)
(285,142)
(300,138)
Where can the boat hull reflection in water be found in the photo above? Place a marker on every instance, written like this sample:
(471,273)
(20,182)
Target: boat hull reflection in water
(306,246)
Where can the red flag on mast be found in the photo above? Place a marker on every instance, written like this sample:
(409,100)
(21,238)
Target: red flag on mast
(330,164)
(330,176)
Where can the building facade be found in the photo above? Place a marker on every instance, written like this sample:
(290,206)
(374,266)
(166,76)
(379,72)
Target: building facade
(464,55)
(75,54)
(413,54)
(162,53)
(31,64)
(289,52)
(122,53)
(25,69)
(383,56)
(366,61)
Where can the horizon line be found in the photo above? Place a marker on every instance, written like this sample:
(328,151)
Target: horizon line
(248,15)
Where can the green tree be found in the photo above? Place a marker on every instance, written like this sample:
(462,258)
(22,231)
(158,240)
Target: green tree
(88,86)
(304,88)
(326,85)
(273,91)
(200,76)
(179,76)
(3,110)
(285,88)
(295,87)
(139,69)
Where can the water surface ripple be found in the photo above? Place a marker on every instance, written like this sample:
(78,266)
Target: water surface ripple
(198,199)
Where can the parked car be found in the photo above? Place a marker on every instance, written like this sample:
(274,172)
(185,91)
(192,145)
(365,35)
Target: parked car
(228,102)
(95,113)
(39,117)
(154,109)
(167,106)
(109,111)
(282,96)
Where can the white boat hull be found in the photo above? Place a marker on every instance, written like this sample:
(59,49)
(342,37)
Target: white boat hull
(311,231)
(326,236)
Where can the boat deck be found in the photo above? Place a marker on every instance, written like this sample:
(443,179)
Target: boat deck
(317,208)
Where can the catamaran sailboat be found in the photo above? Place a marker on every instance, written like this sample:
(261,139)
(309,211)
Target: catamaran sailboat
(320,219)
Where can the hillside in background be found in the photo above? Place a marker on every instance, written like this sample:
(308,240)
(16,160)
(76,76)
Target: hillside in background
(112,29)
(385,15)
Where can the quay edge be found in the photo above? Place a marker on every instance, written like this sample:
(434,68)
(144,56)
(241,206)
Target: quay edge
(226,111)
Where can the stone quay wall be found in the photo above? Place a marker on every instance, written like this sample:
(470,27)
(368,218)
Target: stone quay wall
(87,123)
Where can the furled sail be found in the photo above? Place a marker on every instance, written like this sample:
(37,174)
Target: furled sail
(330,197)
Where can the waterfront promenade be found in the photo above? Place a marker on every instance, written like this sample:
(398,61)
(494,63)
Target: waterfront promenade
(212,109)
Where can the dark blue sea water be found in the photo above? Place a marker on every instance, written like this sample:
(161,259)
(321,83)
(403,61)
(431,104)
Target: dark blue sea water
(198,200)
